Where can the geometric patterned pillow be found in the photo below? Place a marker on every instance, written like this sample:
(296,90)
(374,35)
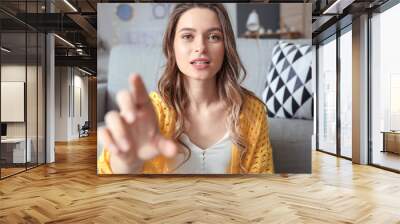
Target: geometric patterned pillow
(288,90)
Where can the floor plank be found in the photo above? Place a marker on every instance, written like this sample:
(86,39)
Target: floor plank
(69,191)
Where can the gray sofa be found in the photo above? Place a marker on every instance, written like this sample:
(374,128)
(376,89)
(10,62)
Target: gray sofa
(291,144)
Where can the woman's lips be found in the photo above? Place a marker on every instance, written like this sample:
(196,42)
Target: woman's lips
(200,65)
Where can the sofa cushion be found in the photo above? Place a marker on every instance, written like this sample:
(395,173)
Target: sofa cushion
(288,91)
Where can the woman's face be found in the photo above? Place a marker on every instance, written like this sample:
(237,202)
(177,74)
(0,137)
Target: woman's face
(198,44)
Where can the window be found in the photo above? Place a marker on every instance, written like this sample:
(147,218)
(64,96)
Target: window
(385,88)
(346,93)
(327,96)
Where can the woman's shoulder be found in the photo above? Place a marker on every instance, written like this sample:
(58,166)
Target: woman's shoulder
(253,115)
(252,104)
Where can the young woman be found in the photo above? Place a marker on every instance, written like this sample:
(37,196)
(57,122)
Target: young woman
(202,120)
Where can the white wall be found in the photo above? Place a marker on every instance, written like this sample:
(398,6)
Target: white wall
(70,83)
(82,83)
(80,103)
(61,103)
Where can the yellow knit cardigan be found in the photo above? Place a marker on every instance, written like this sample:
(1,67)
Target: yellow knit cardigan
(253,125)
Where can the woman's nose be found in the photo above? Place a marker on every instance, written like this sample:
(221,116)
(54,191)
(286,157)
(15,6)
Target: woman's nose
(200,46)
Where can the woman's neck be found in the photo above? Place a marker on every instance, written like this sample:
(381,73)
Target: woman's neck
(201,93)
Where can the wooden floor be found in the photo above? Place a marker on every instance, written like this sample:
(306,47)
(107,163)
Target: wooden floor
(70,192)
(10,171)
(5,172)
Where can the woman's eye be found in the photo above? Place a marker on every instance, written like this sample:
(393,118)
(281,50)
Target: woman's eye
(186,36)
(214,37)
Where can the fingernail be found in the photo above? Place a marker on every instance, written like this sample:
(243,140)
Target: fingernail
(125,145)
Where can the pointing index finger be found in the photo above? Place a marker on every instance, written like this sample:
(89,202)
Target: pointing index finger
(126,106)
(139,92)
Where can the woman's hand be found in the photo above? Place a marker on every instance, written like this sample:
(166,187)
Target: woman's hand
(132,135)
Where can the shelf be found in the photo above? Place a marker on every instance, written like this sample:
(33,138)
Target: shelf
(286,35)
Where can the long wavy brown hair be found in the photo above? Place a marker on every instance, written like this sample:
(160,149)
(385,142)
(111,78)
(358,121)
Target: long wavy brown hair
(232,73)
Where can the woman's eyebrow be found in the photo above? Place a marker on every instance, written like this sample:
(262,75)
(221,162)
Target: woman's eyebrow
(194,30)
(214,29)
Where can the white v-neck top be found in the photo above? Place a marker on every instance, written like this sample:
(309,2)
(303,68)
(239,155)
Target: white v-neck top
(213,160)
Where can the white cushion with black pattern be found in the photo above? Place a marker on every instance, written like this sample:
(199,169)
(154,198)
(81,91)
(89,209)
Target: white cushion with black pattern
(288,91)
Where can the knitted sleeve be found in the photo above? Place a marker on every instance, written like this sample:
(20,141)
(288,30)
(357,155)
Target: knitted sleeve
(103,163)
(159,108)
(262,160)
